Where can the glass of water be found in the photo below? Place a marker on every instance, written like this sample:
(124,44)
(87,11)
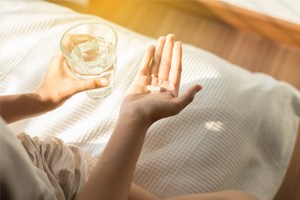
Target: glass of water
(90,50)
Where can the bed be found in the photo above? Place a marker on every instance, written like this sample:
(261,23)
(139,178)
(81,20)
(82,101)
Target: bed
(239,133)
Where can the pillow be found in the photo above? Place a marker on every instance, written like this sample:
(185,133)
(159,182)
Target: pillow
(238,133)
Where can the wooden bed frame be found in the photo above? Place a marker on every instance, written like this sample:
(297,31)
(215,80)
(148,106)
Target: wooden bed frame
(246,20)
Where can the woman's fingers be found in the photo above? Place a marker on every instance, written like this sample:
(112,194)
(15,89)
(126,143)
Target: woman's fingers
(58,59)
(88,84)
(165,64)
(176,68)
(144,69)
(157,56)
(162,65)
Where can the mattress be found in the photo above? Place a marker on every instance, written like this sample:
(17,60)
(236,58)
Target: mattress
(238,133)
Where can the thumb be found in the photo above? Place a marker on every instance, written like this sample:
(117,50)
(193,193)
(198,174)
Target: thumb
(89,84)
(185,99)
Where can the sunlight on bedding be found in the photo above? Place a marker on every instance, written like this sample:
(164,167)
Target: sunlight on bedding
(179,157)
(215,126)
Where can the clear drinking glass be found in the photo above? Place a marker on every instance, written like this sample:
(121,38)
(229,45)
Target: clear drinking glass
(90,50)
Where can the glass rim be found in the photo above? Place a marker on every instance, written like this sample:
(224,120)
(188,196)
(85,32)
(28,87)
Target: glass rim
(87,23)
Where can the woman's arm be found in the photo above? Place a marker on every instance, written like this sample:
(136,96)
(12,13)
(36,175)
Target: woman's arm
(138,193)
(20,106)
(57,86)
(223,195)
(112,176)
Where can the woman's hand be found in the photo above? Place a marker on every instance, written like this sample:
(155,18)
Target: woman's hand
(161,67)
(59,83)
(112,176)
(57,86)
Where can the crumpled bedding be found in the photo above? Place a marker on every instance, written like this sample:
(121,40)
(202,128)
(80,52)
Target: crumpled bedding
(66,166)
(238,133)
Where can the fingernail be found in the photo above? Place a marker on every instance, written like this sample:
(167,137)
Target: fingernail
(198,88)
(170,37)
(104,82)
(161,38)
(178,43)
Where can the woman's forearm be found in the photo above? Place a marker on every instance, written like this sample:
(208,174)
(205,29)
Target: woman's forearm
(112,176)
(21,106)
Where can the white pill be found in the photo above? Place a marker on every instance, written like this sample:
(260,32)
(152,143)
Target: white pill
(152,88)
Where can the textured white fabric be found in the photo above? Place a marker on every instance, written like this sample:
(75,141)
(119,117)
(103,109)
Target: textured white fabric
(237,134)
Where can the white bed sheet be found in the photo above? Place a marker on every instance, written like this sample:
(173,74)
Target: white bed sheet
(238,133)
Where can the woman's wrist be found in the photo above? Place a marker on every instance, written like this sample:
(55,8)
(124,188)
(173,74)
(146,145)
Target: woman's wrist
(135,117)
(113,174)
(21,106)
(47,98)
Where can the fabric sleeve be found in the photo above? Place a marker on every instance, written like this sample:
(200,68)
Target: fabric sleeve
(19,179)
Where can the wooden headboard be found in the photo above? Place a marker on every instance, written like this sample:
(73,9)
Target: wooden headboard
(246,20)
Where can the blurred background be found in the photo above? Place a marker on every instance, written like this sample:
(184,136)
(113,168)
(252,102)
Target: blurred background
(261,37)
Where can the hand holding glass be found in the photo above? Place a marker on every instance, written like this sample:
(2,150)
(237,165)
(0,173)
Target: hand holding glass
(90,50)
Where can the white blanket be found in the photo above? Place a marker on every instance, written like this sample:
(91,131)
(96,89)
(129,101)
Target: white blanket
(239,132)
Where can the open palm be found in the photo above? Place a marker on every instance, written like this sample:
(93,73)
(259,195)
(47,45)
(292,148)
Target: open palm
(162,68)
